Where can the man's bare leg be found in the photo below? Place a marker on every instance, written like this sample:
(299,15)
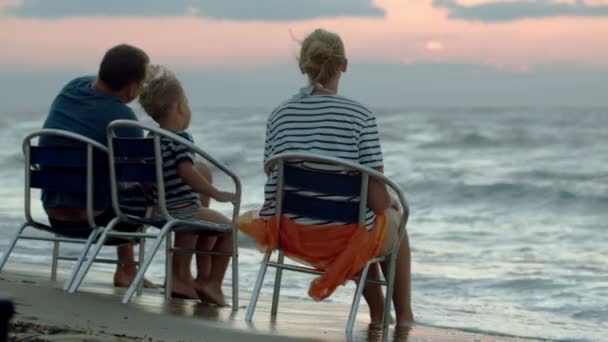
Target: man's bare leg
(124,273)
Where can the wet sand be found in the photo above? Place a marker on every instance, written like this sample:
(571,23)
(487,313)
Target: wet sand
(46,313)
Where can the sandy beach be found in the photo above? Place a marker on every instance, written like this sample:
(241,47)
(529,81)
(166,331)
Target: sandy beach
(46,313)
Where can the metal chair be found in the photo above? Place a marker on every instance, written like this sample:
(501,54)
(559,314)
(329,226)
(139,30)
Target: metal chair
(353,184)
(140,160)
(72,168)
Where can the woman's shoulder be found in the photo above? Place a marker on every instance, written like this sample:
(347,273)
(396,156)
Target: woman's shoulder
(321,103)
(352,103)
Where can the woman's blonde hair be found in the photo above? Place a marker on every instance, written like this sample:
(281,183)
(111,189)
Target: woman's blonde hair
(321,56)
(161,91)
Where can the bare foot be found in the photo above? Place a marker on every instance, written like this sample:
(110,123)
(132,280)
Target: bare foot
(150,285)
(124,277)
(212,294)
(183,289)
(406,322)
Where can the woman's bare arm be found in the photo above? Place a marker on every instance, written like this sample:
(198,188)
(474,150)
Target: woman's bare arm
(378,198)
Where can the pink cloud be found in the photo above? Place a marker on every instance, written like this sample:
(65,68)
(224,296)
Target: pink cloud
(434,46)
(191,42)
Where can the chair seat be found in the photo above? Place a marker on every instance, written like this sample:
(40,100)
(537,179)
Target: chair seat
(186,226)
(157,223)
(81,233)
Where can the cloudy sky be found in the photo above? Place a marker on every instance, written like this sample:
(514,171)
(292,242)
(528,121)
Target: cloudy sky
(242,52)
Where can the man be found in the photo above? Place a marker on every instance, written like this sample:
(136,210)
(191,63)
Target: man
(86,106)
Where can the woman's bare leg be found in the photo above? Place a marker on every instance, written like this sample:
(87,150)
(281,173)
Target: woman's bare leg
(402,290)
(373,296)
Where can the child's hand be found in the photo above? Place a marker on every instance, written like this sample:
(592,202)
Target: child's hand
(222,196)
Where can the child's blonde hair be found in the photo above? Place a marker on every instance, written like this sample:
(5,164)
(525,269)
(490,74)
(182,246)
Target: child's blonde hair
(161,91)
(321,56)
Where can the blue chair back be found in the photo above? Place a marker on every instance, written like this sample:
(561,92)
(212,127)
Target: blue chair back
(134,159)
(298,180)
(140,160)
(75,165)
(64,169)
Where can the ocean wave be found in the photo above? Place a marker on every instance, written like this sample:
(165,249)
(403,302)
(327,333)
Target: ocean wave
(502,192)
(13,161)
(596,315)
(527,284)
(470,140)
(515,139)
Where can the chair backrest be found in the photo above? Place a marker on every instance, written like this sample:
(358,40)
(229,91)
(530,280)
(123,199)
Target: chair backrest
(140,160)
(133,160)
(299,181)
(70,164)
(353,183)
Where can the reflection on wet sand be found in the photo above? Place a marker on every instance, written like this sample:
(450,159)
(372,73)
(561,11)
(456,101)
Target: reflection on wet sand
(97,308)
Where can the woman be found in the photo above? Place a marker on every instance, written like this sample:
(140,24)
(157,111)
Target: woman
(317,120)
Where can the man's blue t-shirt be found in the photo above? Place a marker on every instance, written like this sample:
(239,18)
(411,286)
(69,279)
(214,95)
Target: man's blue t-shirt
(81,109)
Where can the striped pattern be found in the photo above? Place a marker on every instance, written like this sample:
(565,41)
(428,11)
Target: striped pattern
(132,201)
(326,125)
(176,191)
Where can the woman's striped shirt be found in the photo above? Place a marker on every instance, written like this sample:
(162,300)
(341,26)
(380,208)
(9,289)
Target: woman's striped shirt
(328,125)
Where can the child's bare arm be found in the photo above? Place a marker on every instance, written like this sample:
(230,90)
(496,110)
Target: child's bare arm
(198,183)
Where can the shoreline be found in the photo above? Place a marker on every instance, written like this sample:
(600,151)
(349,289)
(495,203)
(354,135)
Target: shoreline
(45,312)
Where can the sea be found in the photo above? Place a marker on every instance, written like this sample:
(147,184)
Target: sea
(509,210)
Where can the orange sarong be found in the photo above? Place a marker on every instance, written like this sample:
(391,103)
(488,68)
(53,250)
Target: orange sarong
(341,251)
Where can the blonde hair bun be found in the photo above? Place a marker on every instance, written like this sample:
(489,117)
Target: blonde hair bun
(321,56)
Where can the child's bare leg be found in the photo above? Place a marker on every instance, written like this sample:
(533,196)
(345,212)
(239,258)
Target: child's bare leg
(219,264)
(182,282)
(203,261)
(212,289)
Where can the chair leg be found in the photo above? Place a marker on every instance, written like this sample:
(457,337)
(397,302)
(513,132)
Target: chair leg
(140,258)
(390,282)
(277,286)
(87,265)
(81,259)
(235,273)
(147,261)
(169,266)
(352,317)
(257,288)
(11,246)
(54,261)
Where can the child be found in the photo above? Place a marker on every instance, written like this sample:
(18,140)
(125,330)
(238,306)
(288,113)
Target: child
(186,191)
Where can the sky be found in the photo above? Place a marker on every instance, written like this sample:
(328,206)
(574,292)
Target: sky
(401,52)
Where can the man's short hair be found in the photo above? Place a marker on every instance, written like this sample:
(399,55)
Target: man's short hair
(123,65)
